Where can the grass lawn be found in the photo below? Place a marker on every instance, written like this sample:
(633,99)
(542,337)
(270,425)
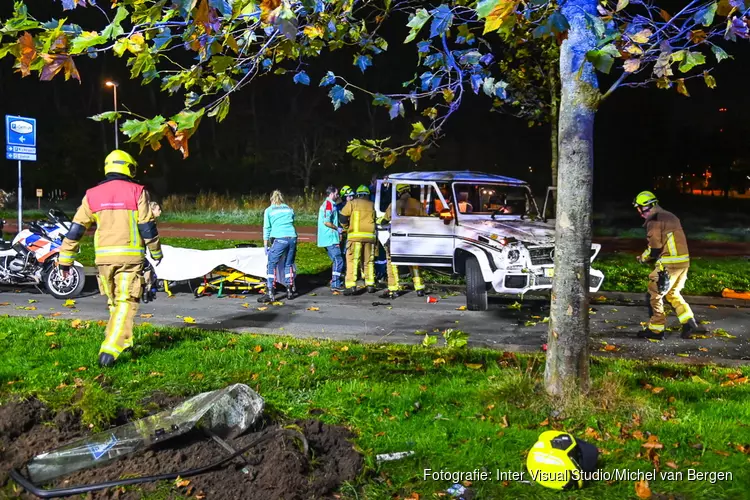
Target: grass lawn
(457,409)
(708,276)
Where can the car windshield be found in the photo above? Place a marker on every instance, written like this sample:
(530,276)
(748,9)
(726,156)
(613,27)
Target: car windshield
(498,199)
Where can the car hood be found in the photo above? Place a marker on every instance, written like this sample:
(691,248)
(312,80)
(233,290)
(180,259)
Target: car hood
(533,232)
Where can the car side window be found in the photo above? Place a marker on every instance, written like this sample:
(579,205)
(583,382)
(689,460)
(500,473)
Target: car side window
(419,203)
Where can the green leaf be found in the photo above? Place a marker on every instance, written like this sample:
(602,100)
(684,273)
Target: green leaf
(109,116)
(221,63)
(143,64)
(710,80)
(415,23)
(360,151)
(114,29)
(621,4)
(706,15)
(602,59)
(692,59)
(187,120)
(418,132)
(455,338)
(720,53)
(85,40)
(120,47)
(429,340)
(221,111)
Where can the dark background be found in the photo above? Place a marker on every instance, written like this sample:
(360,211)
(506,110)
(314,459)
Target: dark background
(640,133)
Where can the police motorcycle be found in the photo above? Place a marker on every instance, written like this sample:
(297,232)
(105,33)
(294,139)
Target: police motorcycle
(31,258)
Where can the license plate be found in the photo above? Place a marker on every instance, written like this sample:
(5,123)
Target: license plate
(549,272)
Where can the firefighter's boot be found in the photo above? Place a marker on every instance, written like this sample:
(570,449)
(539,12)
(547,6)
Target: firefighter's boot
(267,297)
(389,294)
(371,289)
(690,328)
(648,334)
(106,360)
(420,293)
(349,291)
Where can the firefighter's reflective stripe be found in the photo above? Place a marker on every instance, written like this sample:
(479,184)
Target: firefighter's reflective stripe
(656,328)
(358,235)
(158,255)
(646,255)
(393,284)
(116,327)
(671,247)
(686,316)
(416,278)
(677,259)
(66,258)
(127,251)
(133,228)
(356,256)
(96,234)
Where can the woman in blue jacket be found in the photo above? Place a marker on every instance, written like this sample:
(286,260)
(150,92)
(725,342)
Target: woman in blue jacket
(280,242)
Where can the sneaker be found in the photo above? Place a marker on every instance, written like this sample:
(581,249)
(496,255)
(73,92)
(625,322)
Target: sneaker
(106,360)
(690,328)
(420,293)
(648,334)
(337,288)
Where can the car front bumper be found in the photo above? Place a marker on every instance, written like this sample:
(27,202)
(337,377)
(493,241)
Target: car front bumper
(518,282)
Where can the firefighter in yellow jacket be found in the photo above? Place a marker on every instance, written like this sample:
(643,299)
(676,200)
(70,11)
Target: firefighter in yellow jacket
(405,206)
(667,245)
(358,219)
(125,226)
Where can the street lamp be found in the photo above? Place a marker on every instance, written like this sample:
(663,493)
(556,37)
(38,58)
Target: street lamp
(114,85)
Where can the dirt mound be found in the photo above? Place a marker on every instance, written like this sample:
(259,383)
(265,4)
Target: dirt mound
(276,468)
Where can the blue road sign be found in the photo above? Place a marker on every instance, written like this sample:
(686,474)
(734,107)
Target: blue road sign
(20,138)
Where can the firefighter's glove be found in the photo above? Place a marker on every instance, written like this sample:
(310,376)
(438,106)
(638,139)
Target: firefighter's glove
(662,282)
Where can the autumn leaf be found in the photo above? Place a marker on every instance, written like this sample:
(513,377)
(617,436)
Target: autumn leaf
(642,36)
(500,11)
(642,490)
(266,8)
(263,308)
(277,303)
(698,36)
(146,316)
(504,422)
(4,304)
(544,423)
(610,347)
(27,53)
(76,323)
(653,443)
(313,32)
(257,348)
(181,483)
(344,348)
(657,390)
(474,366)
(188,319)
(665,15)
(49,334)
(710,80)
(438,361)
(313,354)
(712,307)
(313,308)
(69,303)
(671,465)
(631,65)
(461,308)
(703,349)
(515,305)
(682,89)
(81,369)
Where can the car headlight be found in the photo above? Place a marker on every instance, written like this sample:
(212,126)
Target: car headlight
(513,256)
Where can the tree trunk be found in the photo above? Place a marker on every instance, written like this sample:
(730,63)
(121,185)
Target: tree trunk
(567,370)
(554,114)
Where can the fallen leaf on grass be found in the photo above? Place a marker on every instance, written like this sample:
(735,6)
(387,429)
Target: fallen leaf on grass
(544,423)
(474,366)
(657,390)
(257,348)
(101,322)
(181,483)
(504,423)
(438,361)
(81,369)
(653,443)
(188,319)
(313,308)
(69,303)
(698,380)
(344,348)
(157,374)
(76,323)
(722,453)
(49,334)
(146,316)
(642,490)
(671,465)
(313,354)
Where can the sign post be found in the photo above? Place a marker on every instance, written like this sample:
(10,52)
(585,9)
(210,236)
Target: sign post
(20,144)
(39,194)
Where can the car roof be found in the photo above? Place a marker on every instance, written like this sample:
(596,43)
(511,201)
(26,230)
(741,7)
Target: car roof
(455,176)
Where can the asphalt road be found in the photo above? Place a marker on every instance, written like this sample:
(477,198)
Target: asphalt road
(359,318)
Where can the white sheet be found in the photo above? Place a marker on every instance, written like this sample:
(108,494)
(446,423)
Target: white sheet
(181,264)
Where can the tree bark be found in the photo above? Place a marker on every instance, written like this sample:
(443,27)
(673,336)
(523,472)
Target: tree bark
(554,113)
(567,369)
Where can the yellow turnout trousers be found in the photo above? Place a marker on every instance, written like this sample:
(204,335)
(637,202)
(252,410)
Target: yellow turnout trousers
(356,252)
(677,279)
(393,285)
(122,284)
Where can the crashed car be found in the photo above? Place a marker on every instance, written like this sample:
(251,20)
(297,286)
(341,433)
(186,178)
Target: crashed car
(485,227)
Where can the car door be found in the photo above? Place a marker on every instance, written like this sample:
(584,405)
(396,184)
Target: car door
(421,240)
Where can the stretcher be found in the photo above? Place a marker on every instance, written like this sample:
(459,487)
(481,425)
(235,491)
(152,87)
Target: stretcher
(240,269)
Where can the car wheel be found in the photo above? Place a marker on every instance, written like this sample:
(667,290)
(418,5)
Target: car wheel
(476,287)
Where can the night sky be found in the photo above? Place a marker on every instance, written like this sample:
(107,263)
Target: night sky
(639,132)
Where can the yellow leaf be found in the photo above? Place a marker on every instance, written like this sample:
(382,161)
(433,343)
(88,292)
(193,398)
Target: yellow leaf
(703,349)
(655,340)
(313,32)
(263,308)
(188,319)
(181,483)
(515,305)
(49,334)
(81,369)
(313,354)
(157,374)
(76,323)
(632,65)
(642,36)
(710,80)
(245,305)
(642,490)
(502,10)
(277,303)
(104,323)
(504,423)
(32,301)
(712,307)
(621,4)
(146,316)
(461,308)
(69,303)
(257,348)
(345,348)
(683,354)
(657,390)
(474,366)
(438,361)
(313,308)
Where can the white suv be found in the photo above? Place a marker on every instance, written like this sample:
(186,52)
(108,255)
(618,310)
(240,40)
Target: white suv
(485,227)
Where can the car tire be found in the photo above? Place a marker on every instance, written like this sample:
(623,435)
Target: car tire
(476,287)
